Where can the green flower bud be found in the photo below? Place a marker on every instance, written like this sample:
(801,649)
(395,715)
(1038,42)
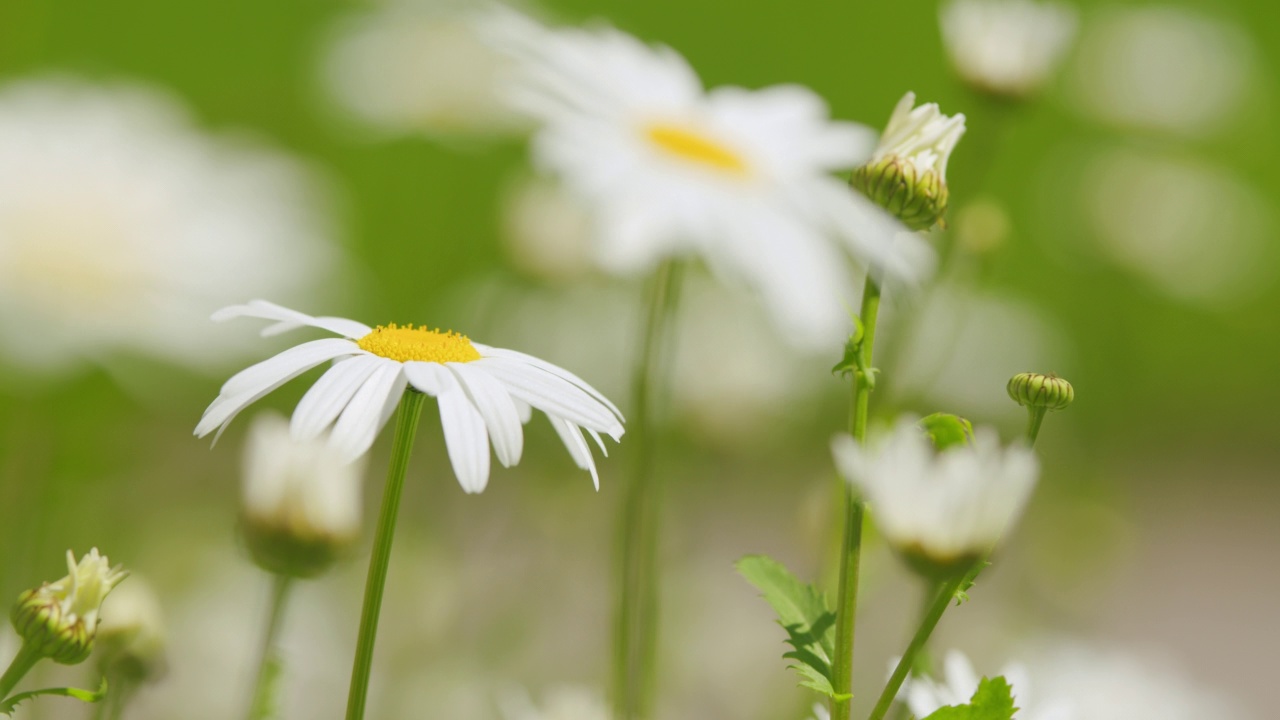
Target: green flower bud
(907,174)
(60,620)
(1034,390)
(946,430)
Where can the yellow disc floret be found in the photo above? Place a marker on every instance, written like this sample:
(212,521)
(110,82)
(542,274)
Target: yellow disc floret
(405,343)
(695,147)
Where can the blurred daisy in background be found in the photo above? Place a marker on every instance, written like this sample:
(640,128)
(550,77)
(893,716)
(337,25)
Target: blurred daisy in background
(417,66)
(742,179)
(566,702)
(122,226)
(958,682)
(1164,68)
(546,229)
(485,394)
(1006,47)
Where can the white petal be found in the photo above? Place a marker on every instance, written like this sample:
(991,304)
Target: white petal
(360,422)
(496,407)
(287,319)
(552,368)
(265,377)
(289,363)
(423,377)
(464,431)
(551,394)
(571,436)
(524,409)
(331,393)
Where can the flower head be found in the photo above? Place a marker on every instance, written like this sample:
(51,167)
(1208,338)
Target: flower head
(485,393)
(740,178)
(121,224)
(945,507)
(60,619)
(132,636)
(301,500)
(907,174)
(1006,47)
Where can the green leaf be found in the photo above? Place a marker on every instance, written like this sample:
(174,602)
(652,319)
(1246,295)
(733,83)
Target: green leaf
(993,700)
(802,611)
(10,705)
(970,579)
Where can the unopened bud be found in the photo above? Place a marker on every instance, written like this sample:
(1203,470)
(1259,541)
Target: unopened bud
(59,620)
(1041,391)
(131,638)
(301,501)
(907,174)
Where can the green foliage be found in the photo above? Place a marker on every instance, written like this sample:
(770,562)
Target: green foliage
(802,611)
(947,430)
(993,700)
(9,706)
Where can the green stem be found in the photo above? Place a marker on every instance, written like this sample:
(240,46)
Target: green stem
(635,622)
(851,548)
(1035,416)
(260,708)
(406,426)
(946,591)
(112,707)
(22,663)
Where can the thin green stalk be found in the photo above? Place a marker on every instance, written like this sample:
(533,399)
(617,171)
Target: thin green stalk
(851,548)
(635,623)
(263,689)
(946,591)
(406,427)
(1035,416)
(22,663)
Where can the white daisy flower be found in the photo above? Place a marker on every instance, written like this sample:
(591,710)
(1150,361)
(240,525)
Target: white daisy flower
(740,178)
(949,506)
(121,225)
(485,393)
(959,681)
(1007,47)
(301,499)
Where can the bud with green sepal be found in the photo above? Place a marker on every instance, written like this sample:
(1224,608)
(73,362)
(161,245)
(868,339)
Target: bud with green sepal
(59,620)
(907,173)
(1039,394)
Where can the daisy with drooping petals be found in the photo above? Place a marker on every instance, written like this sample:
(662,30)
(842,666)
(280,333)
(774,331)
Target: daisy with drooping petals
(485,393)
(740,178)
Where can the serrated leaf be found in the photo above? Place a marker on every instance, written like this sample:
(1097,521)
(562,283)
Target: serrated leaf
(802,611)
(11,704)
(993,700)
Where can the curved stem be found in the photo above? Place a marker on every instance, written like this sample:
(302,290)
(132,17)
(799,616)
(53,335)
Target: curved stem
(635,622)
(26,659)
(260,707)
(851,549)
(946,591)
(406,426)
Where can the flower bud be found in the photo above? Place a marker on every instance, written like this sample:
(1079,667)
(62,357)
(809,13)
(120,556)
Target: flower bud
(301,500)
(60,620)
(131,638)
(1041,391)
(907,174)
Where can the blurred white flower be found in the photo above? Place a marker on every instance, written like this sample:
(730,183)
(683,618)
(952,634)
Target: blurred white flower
(132,634)
(741,178)
(301,499)
(561,703)
(1164,68)
(547,230)
(959,681)
(949,506)
(1194,230)
(1006,47)
(820,712)
(485,394)
(418,66)
(1101,683)
(122,226)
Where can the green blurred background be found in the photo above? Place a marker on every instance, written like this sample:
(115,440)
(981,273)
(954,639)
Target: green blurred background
(1154,526)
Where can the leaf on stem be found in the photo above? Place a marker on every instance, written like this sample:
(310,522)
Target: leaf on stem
(993,700)
(802,611)
(89,696)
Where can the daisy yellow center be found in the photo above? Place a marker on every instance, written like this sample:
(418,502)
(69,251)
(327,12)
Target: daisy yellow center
(405,343)
(695,147)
